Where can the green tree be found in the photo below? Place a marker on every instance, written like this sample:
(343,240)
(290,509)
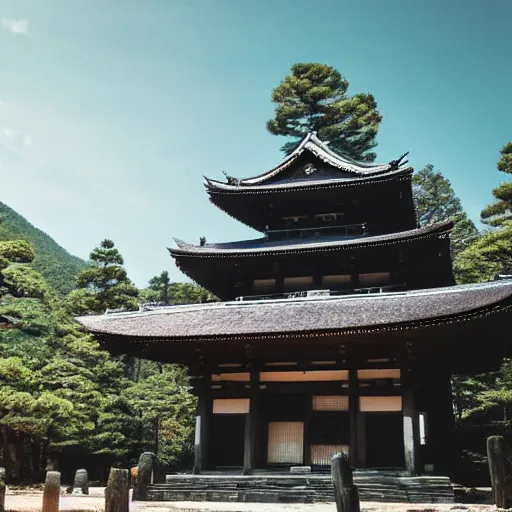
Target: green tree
(499,212)
(436,202)
(313,97)
(104,284)
(162,290)
(162,286)
(492,253)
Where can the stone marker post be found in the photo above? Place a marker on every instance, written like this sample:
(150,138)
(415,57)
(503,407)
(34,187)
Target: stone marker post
(2,489)
(81,483)
(51,492)
(146,463)
(116,493)
(500,470)
(345,492)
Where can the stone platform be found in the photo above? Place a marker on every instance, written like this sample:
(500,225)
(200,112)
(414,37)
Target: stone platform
(312,488)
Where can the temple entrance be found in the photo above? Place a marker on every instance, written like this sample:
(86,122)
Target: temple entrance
(285,442)
(228,435)
(384,440)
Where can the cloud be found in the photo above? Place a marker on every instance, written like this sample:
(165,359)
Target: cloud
(15,137)
(18,27)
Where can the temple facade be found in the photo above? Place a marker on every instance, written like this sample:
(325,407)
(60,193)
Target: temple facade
(337,329)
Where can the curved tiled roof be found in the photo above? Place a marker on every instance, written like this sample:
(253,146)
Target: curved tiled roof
(262,245)
(312,144)
(367,313)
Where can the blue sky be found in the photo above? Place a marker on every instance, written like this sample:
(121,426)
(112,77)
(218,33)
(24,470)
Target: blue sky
(112,111)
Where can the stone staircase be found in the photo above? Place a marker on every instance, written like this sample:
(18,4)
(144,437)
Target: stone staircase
(310,488)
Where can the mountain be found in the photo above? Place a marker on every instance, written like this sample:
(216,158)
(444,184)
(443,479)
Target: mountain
(56,264)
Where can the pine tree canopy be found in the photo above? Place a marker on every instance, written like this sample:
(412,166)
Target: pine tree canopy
(104,284)
(501,210)
(436,202)
(313,97)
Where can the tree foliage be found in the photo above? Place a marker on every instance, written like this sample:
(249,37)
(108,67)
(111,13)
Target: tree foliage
(499,212)
(313,97)
(436,202)
(163,291)
(492,253)
(104,284)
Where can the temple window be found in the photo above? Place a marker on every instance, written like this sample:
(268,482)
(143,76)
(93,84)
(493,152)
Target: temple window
(306,376)
(374,279)
(330,403)
(295,284)
(264,285)
(380,403)
(390,373)
(231,406)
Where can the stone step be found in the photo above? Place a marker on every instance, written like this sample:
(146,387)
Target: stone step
(300,488)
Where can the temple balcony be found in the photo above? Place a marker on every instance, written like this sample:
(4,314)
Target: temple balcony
(343,231)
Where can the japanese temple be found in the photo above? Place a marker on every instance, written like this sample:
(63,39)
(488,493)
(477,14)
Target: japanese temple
(337,329)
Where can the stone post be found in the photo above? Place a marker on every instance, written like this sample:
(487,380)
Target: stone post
(51,492)
(81,483)
(500,472)
(2,489)
(346,494)
(146,463)
(116,493)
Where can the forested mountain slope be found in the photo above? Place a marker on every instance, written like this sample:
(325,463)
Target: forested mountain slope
(58,266)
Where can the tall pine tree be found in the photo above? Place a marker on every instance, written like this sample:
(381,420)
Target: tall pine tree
(313,97)
(104,284)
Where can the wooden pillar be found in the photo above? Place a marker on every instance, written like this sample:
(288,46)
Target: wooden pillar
(204,407)
(308,409)
(410,422)
(251,424)
(353,406)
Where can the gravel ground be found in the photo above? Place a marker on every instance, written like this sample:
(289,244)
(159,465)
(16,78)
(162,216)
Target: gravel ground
(20,501)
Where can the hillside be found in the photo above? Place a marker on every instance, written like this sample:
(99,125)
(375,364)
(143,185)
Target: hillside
(58,266)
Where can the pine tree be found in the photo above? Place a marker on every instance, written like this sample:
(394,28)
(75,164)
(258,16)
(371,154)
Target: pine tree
(436,201)
(104,284)
(313,97)
(492,253)
(499,212)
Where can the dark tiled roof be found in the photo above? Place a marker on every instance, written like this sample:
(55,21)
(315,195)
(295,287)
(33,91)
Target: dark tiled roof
(262,245)
(266,317)
(312,144)
(216,187)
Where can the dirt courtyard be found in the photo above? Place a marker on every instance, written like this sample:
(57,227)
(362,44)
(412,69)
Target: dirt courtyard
(20,501)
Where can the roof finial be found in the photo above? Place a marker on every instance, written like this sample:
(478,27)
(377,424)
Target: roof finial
(230,179)
(395,164)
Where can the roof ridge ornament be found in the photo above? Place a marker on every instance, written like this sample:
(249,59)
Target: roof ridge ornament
(399,162)
(230,179)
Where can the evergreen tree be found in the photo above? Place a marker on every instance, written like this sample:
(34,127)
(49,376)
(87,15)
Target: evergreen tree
(499,212)
(313,97)
(104,284)
(492,253)
(162,286)
(436,202)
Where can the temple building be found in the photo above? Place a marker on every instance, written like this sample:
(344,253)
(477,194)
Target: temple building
(337,330)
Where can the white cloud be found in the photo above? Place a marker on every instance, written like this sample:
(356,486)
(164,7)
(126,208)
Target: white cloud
(18,27)
(15,138)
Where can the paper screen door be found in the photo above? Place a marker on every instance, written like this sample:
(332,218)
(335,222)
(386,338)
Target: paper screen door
(285,442)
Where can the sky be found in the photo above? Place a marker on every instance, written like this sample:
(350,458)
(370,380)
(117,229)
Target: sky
(112,112)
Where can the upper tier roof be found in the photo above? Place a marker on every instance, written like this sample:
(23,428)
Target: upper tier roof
(263,246)
(350,170)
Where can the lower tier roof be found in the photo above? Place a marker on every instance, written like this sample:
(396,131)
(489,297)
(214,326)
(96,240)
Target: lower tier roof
(326,243)
(440,318)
